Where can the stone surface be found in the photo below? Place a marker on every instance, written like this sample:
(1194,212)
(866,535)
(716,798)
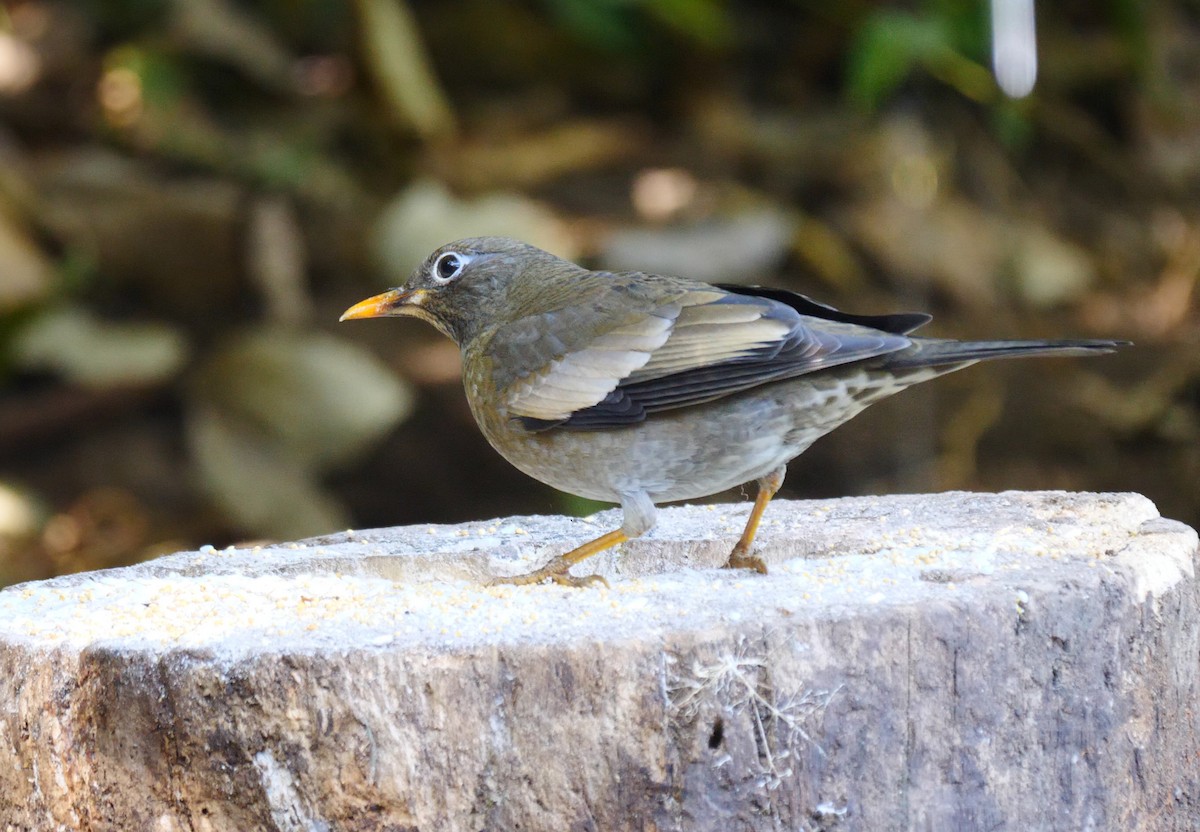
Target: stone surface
(957,661)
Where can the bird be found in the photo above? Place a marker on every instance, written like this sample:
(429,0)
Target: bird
(638,389)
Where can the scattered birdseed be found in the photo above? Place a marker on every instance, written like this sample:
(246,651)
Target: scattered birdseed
(245,603)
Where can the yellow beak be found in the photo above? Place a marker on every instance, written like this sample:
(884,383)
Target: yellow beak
(391,303)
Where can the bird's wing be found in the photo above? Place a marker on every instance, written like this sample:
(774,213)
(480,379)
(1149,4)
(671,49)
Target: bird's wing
(693,346)
(577,375)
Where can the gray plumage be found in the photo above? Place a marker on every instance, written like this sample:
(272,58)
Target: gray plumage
(638,388)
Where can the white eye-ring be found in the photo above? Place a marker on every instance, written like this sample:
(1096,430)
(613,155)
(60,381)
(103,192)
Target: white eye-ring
(448,266)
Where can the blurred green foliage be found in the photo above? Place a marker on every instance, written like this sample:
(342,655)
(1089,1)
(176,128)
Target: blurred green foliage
(620,25)
(946,39)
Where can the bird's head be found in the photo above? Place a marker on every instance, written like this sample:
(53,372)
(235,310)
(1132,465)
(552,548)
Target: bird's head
(463,286)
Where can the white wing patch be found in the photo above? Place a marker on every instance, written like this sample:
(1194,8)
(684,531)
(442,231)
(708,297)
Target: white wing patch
(712,333)
(583,378)
(698,330)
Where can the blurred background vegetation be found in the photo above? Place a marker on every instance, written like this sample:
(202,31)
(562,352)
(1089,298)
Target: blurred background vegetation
(191,191)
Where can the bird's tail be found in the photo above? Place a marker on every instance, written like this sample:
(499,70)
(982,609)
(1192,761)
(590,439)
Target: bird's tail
(937,352)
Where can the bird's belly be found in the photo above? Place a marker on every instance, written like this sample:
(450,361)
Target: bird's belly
(667,461)
(687,453)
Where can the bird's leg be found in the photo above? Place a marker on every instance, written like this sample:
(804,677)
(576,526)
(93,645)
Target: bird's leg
(558,569)
(740,557)
(639,514)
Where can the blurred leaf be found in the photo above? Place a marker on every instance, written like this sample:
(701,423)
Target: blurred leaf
(967,24)
(1129,19)
(272,410)
(278,261)
(606,23)
(176,241)
(21,517)
(528,159)
(124,18)
(77,269)
(25,272)
(886,49)
(705,21)
(970,78)
(829,255)
(426,216)
(619,25)
(743,247)
(319,399)
(891,44)
(221,30)
(160,82)
(84,349)
(255,482)
(398,60)
(1012,123)
(951,243)
(148,106)
(1048,269)
(20,513)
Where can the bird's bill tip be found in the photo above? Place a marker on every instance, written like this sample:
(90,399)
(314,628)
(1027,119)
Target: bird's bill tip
(385,304)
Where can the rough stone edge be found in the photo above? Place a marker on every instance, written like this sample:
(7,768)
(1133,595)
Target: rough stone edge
(1153,593)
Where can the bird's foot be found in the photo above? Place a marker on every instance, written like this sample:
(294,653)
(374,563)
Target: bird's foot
(742,560)
(557,570)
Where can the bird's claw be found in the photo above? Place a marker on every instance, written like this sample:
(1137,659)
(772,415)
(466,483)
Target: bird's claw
(740,560)
(579,583)
(557,571)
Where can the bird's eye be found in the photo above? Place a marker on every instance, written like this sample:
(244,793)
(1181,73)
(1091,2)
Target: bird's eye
(448,266)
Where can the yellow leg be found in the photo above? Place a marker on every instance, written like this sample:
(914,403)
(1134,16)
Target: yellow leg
(740,557)
(557,570)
